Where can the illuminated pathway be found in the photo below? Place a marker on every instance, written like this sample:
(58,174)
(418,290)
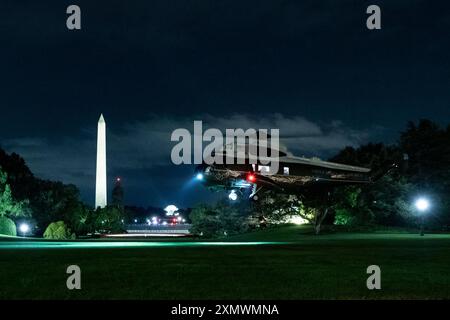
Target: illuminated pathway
(119,244)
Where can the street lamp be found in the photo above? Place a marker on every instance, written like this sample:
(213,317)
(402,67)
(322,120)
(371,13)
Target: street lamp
(422,205)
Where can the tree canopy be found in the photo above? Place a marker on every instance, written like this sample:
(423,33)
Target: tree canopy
(8,205)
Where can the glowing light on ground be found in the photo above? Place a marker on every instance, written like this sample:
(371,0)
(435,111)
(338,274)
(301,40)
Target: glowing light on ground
(297,220)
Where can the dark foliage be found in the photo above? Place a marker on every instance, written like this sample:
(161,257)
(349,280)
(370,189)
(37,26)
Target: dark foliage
(223,219)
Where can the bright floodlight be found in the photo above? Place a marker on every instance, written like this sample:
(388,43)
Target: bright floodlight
(24,228)
(422,204)
(233,196)
(297,220)
(199,176)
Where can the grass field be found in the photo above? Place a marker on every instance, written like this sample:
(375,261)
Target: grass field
(293,265)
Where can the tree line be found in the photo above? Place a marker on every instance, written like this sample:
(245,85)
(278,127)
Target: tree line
(52,208)
(422,155)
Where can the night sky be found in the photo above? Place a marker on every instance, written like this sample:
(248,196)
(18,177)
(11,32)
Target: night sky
(310,68)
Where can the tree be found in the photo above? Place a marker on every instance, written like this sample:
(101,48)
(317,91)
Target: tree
(233,217)
(428,147)
(8,206)
(205,221)
(317,205)
(45,200)
(386,201)
(105,220)
(20,178)
(376,156)
(346,206)
(312,205)
(391,201)
(78,218)
(7,227)
(277,207)
(220,220)
(56,201)
(117,195)
(58,231)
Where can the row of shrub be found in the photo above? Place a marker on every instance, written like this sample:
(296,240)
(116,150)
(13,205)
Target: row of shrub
(55,230)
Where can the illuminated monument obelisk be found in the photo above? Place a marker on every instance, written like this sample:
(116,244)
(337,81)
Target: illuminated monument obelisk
(100,183)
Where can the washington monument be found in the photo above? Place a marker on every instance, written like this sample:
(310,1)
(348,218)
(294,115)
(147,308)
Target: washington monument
(100,183)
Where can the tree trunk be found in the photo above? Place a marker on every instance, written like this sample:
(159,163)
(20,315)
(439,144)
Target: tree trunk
(319,219)
(317,228)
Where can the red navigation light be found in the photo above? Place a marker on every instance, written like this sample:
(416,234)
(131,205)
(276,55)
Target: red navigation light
(251,177)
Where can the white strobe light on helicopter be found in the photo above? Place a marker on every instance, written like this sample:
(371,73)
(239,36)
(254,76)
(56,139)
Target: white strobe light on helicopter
(199,176)
(233,195)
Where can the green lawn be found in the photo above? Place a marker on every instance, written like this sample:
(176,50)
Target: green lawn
(296,265)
